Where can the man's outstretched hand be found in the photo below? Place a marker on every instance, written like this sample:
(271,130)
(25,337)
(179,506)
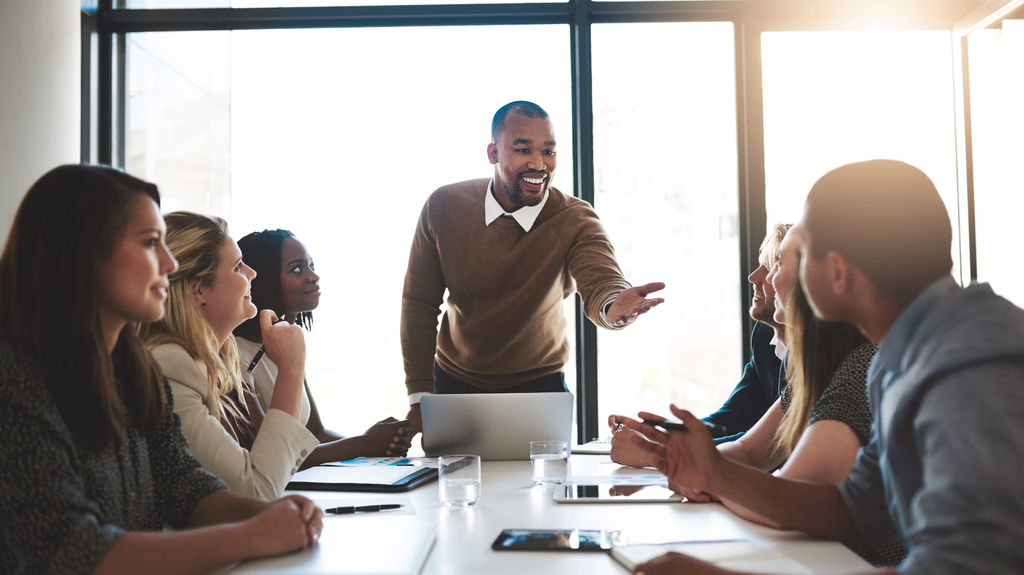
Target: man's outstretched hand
(631,303)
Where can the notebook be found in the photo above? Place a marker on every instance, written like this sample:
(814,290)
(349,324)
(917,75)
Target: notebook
(495,426)
(364,474)
(745,556)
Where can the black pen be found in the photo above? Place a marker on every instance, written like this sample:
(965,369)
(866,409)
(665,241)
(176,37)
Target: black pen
(679,426)
(256,359)
(362,509)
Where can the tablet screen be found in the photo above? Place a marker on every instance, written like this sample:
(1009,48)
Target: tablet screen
(610,493)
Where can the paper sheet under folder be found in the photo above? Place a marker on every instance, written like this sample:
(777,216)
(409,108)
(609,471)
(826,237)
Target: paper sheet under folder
(377,478)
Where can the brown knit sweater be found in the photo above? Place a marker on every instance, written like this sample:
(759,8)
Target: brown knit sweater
(504,324)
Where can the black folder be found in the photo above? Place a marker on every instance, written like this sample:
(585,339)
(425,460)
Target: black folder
(361,478)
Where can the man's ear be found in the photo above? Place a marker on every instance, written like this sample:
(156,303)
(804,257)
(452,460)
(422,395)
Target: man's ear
(840,273)
(492,153)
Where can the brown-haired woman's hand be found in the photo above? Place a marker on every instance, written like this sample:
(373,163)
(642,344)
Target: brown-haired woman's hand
(288,524)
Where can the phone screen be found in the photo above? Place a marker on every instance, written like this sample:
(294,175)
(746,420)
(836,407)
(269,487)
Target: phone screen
(555,540)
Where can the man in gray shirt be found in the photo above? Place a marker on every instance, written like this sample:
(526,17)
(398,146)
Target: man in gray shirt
(943,469)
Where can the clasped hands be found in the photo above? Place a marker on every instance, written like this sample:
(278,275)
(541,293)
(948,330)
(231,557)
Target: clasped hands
(687,458)
(395,434)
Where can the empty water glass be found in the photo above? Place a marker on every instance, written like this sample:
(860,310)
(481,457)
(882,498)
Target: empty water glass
(458,479)
(550,461)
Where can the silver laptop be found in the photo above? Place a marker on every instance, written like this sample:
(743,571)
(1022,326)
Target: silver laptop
(494,425)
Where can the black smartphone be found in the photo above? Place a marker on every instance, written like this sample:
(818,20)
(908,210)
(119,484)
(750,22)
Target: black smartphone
(556,540)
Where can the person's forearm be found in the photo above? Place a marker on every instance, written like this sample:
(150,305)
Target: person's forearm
(813,508)
(202,550)
(224,506)
(339,450)
(326,435)
(748,514)
(288,391)
(736,451)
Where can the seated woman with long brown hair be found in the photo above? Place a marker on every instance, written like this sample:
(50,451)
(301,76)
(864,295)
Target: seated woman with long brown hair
(94,465)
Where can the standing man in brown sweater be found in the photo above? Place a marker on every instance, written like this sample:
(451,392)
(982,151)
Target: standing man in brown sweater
(509,250)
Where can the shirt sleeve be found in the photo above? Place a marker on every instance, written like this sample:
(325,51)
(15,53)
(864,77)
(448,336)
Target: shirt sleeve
(48,522)
(422,296)
(280,447)
(755,392)
(967,516)
(179,481)
(863,494)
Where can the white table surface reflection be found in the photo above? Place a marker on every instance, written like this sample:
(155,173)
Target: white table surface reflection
(425,537)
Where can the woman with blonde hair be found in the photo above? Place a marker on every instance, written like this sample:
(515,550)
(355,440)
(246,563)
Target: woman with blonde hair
(208,297)
(94,464)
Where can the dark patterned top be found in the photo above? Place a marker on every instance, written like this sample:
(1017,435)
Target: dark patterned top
(64,505)
(845,398)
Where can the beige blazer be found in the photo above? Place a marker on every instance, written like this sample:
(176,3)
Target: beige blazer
(281,444)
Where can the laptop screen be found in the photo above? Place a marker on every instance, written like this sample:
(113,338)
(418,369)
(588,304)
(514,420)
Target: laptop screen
(495,426)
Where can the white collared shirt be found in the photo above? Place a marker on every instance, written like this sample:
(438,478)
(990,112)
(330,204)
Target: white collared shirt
(780,346)
(526,215)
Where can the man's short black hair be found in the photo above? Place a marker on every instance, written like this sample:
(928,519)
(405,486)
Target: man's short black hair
(886,218)
(528,109)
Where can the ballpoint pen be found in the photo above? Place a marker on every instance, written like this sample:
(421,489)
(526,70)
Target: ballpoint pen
(678,426)
(362,508)
(256,358)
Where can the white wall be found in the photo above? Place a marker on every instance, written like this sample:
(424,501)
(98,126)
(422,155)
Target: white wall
(40,59)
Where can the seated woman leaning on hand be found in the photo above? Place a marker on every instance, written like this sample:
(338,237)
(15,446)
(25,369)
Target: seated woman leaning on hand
(94,466)
(207,298)
(816,428)
(287,282)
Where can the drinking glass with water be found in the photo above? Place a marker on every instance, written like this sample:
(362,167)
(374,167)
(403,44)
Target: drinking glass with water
(458,479)
(550,462)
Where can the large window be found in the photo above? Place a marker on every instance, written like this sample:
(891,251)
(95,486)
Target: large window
(338,135)
(996,59)
(339,118)
(164,4)
(831,98)
(666,188)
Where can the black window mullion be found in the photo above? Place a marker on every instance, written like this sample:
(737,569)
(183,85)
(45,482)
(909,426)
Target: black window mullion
(583,146)
(105,92)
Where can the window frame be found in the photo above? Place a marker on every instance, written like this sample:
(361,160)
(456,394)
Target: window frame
(750,18)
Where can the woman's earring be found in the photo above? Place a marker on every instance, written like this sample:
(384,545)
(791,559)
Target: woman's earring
(202,304)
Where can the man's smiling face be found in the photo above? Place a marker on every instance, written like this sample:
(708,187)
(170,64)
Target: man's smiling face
(524,161)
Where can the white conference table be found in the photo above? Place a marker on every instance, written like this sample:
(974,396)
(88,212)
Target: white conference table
(426,537)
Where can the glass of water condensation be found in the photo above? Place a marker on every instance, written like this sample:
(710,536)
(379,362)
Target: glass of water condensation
(550,461)
(458,479)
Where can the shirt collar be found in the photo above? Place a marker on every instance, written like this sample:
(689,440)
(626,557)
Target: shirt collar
(780,346)
(525,216)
